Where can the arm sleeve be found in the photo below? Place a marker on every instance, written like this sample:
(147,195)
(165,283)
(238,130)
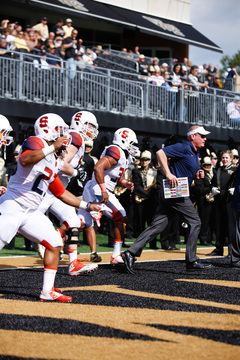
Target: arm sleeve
(56,187)
(114,152)
(176,150)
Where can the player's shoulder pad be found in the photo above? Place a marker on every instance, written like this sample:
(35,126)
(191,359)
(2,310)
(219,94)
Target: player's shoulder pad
(114,152)
(76,139)
(33,143)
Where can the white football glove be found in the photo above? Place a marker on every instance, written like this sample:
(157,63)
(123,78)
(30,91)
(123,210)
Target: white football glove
(231,191)
(96,215)
(215,191)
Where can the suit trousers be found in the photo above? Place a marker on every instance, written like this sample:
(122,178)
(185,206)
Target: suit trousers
(165,211)
(235,255)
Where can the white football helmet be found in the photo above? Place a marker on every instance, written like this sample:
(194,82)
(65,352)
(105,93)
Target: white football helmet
(85,123)
(50,126)
(127,140)
(5,129)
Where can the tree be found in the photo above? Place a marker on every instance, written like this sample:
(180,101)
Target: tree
(228,62)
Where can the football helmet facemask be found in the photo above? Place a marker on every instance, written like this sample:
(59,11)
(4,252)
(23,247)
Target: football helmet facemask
(5,129)
(127,140)
(85,123)
(50,126)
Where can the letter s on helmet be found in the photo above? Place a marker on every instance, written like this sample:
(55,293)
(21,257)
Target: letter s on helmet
(50,126)
(127,140)
(5,129)
(86,123)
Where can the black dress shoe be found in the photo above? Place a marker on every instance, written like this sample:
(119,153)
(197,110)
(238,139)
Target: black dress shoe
(235,264)
(215,252)
(197,265)
(128,261)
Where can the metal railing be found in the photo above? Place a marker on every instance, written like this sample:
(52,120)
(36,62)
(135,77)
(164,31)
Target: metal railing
(112,91)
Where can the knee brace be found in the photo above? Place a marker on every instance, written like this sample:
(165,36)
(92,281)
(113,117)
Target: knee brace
(72,236)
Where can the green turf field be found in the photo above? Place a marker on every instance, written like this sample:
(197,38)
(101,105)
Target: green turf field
(102,246)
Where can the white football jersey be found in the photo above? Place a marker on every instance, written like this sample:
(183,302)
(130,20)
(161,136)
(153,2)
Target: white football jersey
(78,141)
(112,175)
(28,185)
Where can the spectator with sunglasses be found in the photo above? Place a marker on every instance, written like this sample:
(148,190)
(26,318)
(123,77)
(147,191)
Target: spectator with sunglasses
(235,159)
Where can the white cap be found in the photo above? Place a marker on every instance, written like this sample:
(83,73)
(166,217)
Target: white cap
(146,155)
(68,20)
(199,130)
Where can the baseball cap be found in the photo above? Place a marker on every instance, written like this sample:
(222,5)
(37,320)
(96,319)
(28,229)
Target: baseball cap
(141,56)
(237,98)
(165,64)
(69,20)
(44,18)
(89,143)
(206,161)
(146,155)
(199,130)
(155,59)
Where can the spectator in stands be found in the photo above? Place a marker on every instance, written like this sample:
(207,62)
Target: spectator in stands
(175,84)
(233,110)
(210,69)
(230,78)
(136,51)
(89,58)
(3,47)
(214,159)
(52,59)
(10,37)
(193,79)
(156,78)
(153,65)
(80,62)
(125,53)
(20,43)
(203,71)
(58,47)
(164,71)
(209,80)
(67,28)
(69,44)
(184,72)
(41,62)
(80,47)
(143,66)
(217,81)
(58,28)
(235,159)
(28,28)
(49,42)
(42,29)
(32,41)
(232,74)
(18,27)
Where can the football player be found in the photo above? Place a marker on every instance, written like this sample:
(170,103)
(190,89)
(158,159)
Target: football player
(108,172)
(40,160)
(5,139)
(83,127)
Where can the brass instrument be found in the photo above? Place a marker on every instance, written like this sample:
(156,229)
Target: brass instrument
(119,190)
(139,199)
(210,197)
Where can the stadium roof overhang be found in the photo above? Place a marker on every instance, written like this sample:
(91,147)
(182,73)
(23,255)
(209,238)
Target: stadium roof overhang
(164,28)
